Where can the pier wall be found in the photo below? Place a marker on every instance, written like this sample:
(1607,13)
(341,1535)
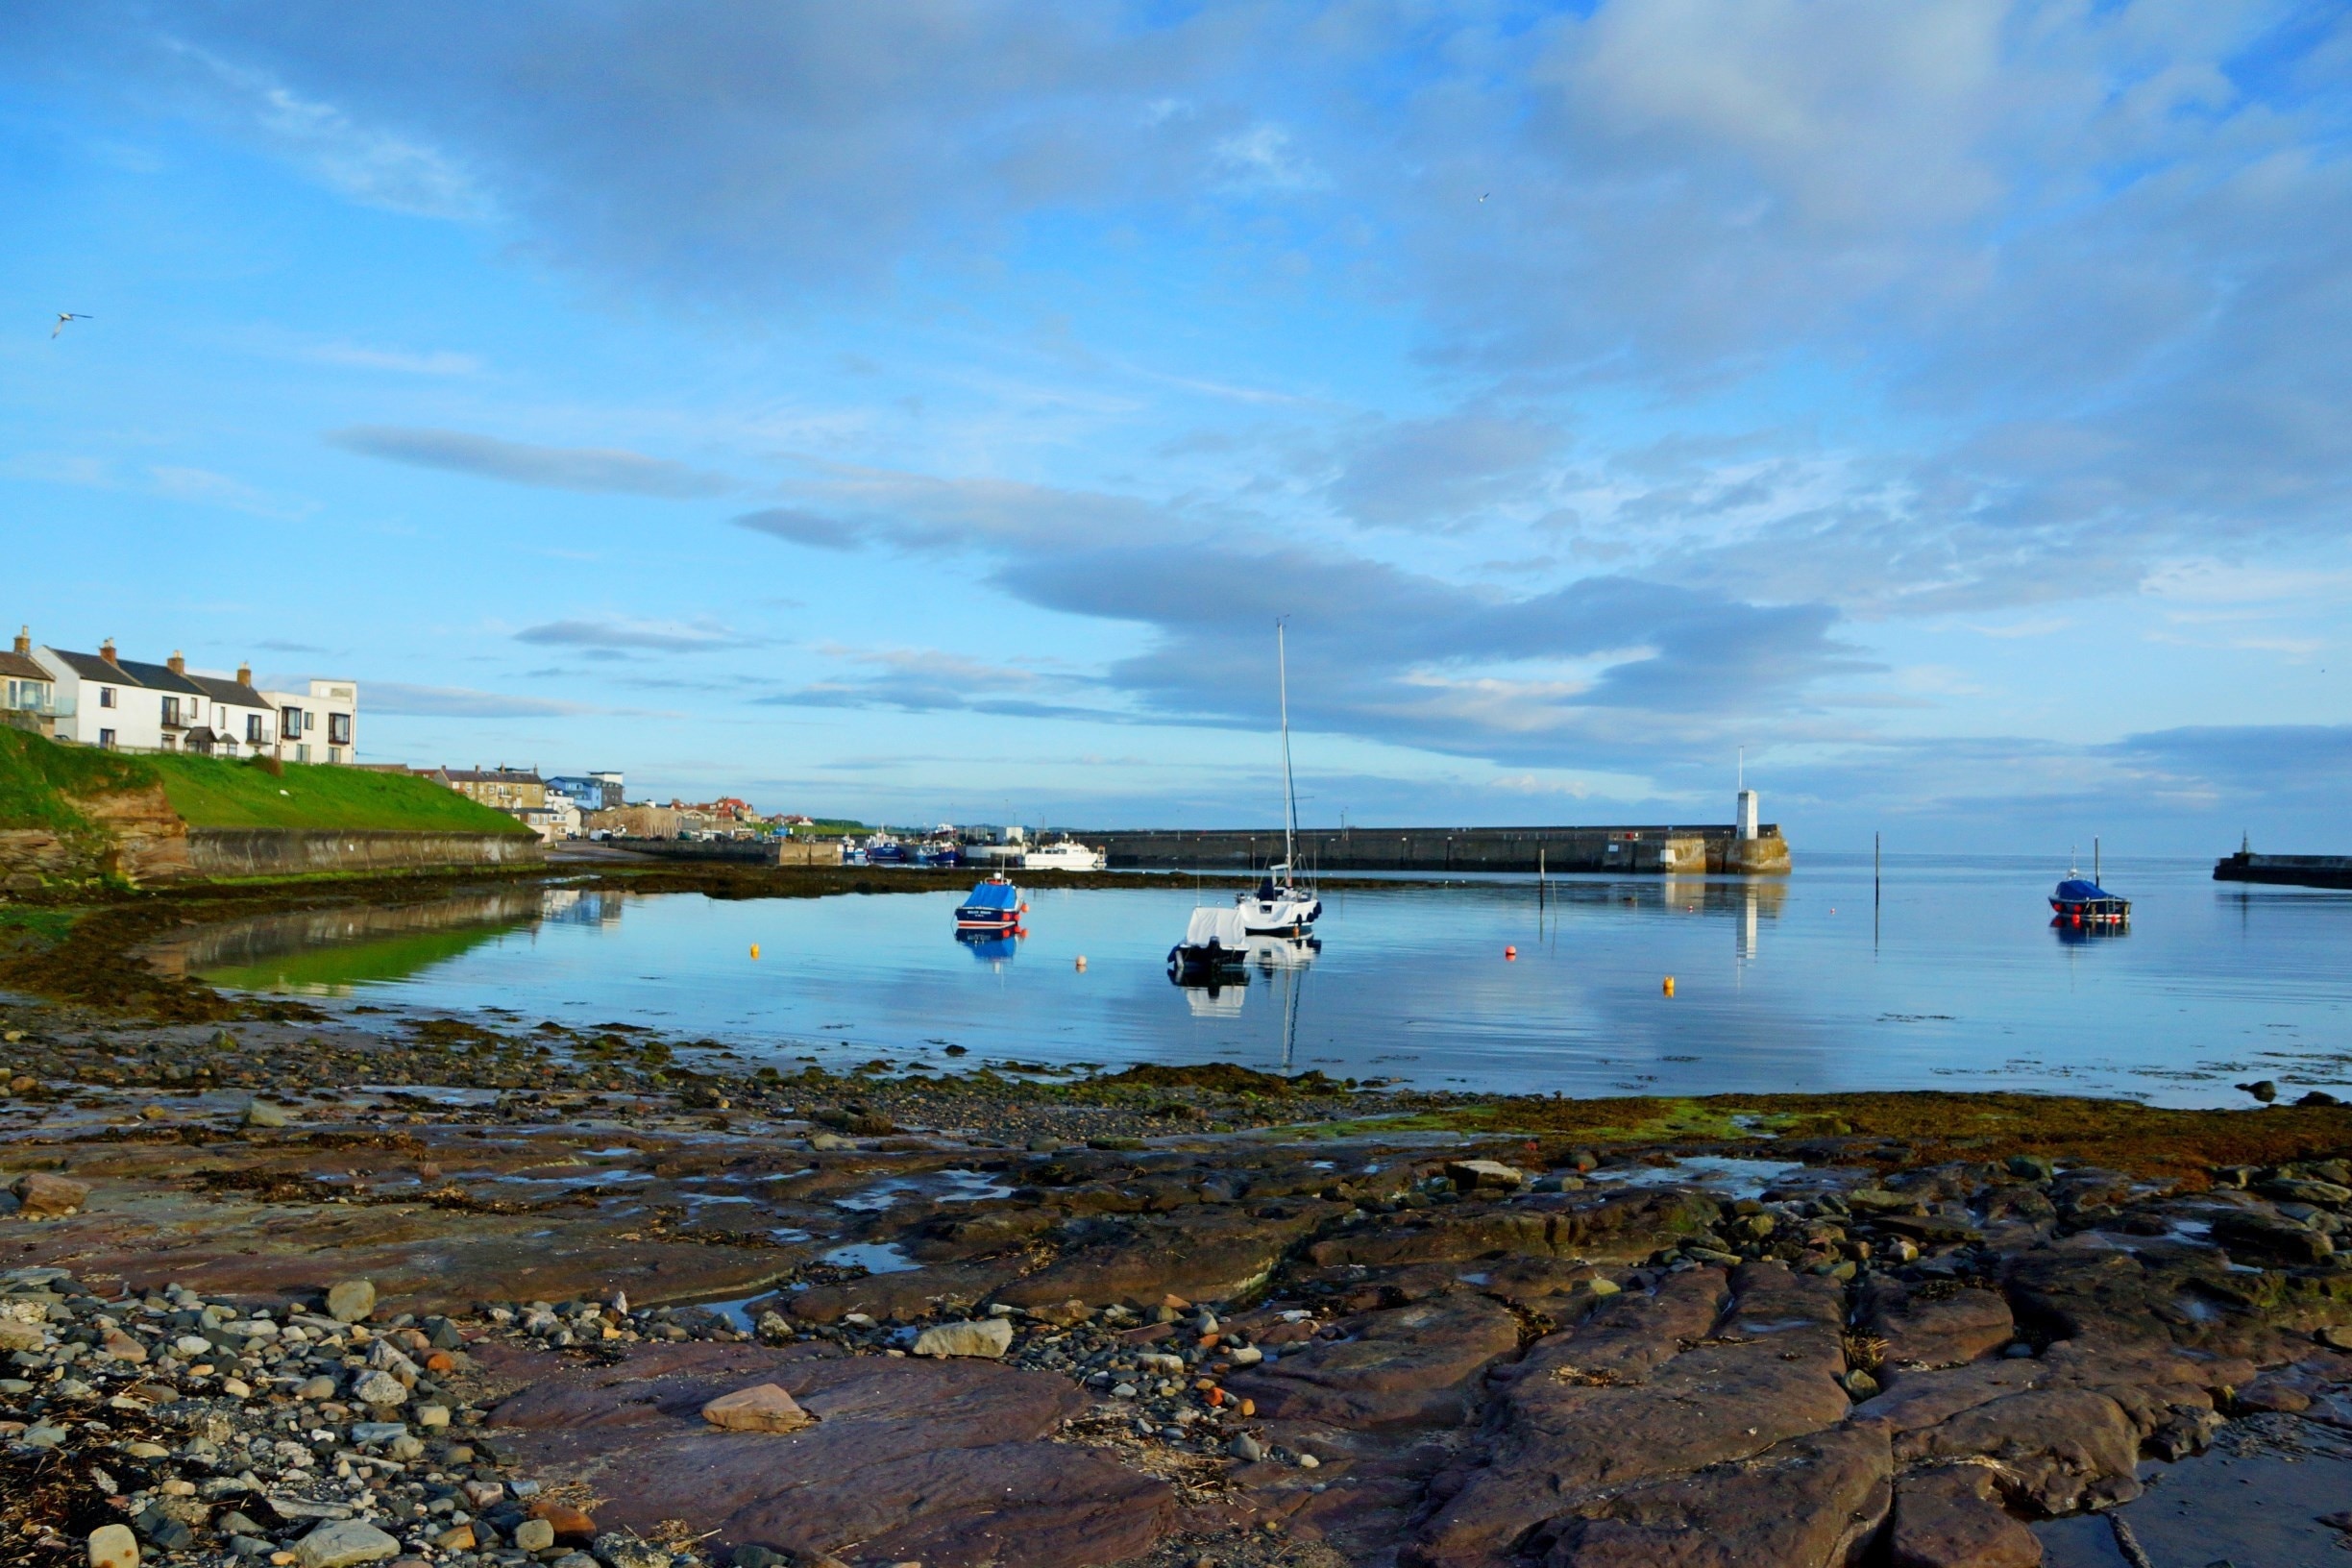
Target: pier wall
(770,851)
(2290,871)
(1653,851)
(293,852)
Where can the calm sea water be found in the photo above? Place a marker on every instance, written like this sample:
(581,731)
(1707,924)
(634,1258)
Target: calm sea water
(1952,979)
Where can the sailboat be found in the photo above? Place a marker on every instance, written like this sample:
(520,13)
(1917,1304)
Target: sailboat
(1278,906)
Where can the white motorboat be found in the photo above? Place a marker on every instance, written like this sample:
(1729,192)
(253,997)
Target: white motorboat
(1278,906)
(1215,949)
(1068,855)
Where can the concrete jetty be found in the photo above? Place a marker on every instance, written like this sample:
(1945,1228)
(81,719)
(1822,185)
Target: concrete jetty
(1648,850)
(2292,870)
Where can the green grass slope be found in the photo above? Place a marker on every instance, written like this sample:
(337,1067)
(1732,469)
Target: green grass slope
(210,792)
(40,781)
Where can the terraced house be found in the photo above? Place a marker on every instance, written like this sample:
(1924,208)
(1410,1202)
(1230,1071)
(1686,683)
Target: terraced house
(125,704)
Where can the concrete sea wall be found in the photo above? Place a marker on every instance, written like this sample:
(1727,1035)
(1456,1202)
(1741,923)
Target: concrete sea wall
(738,851)
(287,851)
(1648,850)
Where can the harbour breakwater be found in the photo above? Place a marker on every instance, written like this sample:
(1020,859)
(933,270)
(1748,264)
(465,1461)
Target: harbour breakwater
(2292,870)
(1648,850)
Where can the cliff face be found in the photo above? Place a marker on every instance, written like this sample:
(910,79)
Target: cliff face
(132,834)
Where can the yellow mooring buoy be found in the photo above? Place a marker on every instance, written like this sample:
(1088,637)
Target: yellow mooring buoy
(755,951)
(1669,985)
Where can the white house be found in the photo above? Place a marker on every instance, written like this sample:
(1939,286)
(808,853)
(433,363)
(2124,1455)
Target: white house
(128,705)
(320,724)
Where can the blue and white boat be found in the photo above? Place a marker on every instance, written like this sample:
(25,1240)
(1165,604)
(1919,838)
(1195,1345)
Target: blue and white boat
(2079,901)
(995,905)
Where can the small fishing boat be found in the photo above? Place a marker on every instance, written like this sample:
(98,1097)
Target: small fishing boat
(995,905)
(2080,902)
(886,852)
(1215,949)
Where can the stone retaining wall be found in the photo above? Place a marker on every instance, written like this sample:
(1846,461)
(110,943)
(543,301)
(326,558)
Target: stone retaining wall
(290,852)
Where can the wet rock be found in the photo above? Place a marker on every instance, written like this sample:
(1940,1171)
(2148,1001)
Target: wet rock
(1937,1330)
(261,1112)
(911,1294)
(1213,1253)
(2059,1449)
(2264,1090)
(1617,1226)
(534,1535)
(1648,1386)
(971,1336)
(113,1546)
(1470,1175)
(2259,1237)
(350,1301)
(937,1461)
(1411,1365)
(1952,1518)
(42,1195)
(1810,1502)
(761,1408)
(338,1543)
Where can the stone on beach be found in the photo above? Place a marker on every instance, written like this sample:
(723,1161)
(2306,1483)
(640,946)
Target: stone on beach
(973,1337)
(350,1301)
(1471,1174)
(261,1112)
(338,1543)
(113,1546)
(761,1408)
(42,1195)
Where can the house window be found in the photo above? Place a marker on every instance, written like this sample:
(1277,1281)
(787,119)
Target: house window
(106,697)
(171,710)
(290,724)
(106,737)
(338,729)
(253,729)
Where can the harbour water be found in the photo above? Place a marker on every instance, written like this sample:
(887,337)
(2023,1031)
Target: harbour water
(1952,979)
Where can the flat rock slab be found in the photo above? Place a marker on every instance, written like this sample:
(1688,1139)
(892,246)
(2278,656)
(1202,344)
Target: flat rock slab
(937,1461)
(1811,1502)
(1407,1366)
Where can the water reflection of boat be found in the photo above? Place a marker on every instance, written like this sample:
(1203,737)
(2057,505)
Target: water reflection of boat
(1272,953)
(990,946)
(1218,1001)
(1215,947)
(995,905)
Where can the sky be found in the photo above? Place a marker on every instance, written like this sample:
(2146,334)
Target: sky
(925,409)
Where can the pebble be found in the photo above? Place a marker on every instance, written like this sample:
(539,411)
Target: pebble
(989,1336)
(534,1535)
(261,1112)
(113,1546)
(380,1388)
(350,1300)
(338,1543)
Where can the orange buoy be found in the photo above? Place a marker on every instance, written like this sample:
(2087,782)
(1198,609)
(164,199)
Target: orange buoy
(755,950)
(1510,955)
(1669,986)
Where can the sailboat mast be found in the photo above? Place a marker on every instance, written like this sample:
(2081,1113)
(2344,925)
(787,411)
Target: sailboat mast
(1282,668)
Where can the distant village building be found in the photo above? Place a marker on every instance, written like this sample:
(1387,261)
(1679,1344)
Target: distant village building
(125,704)
(513,790)
(641,822)
(589,792)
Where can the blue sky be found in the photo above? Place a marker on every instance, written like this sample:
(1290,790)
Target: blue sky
(920,410)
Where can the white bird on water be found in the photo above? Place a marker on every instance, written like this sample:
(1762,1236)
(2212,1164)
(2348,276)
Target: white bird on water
(64,316)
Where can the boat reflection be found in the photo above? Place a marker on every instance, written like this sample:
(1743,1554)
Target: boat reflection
(1218,999)
(1270,953)
(993,948)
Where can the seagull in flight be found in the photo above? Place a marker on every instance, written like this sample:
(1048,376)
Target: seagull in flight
(64,316)
(1483,195)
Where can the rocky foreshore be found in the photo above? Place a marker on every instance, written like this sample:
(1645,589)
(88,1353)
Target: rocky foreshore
(481,1292)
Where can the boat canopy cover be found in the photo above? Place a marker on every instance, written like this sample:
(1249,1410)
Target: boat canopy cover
(993,894)
(2080,890)
(1223,926)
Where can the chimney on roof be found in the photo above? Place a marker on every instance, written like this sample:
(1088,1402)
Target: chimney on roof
(244,674)
(105,650)
(24,641)
(176,663)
